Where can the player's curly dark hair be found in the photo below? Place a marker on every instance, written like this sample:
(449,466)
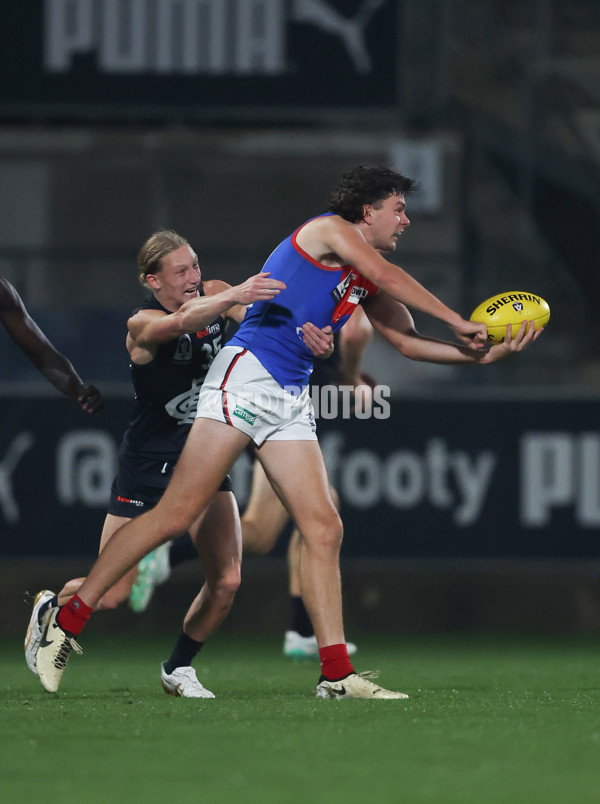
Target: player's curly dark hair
(366,184)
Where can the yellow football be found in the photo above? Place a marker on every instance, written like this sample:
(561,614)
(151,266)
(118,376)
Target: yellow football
(512,307)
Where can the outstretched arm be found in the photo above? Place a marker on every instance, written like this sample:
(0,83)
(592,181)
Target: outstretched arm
(149,328)
(393,321)
(51,363)
(331,236)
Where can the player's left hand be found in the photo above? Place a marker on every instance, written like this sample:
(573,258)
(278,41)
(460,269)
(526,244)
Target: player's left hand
(319,341)
(471,333)
(90,399)
(527,334)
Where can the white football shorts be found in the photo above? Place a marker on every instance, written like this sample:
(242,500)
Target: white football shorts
(239,391)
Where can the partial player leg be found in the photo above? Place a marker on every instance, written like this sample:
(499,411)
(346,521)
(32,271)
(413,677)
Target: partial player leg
(218,539)
(300,641)
(210,451)
(217,535)
(320,525)
(120,591)
(47,600)
(155,568)
(263,521)
(265,516)
(321,530)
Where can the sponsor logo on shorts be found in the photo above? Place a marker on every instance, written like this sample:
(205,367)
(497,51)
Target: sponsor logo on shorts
(244,414)
(139,503)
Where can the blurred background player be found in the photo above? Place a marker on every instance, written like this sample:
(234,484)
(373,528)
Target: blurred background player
(56,369)
(265,519)
(172,340)
(52,364)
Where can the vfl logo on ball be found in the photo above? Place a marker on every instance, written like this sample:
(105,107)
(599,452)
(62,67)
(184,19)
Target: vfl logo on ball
(518,307)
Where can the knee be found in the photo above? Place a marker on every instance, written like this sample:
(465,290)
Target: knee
(335,534)
(228,582)
(325,537)
(232,579)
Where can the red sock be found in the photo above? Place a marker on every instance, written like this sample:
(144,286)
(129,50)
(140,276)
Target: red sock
(335,663)
(74,615)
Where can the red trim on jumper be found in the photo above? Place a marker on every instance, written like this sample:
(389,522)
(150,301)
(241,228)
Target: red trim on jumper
(222,387)
(310,259)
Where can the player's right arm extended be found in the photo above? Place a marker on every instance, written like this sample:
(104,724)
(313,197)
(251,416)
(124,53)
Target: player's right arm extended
(149,328)
(349,244)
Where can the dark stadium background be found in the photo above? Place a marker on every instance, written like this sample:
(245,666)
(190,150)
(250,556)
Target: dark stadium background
(493,106)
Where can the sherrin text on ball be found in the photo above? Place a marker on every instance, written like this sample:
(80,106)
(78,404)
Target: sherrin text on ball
(512,307)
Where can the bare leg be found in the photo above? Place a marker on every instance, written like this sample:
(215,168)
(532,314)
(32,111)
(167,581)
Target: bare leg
(265,516)
(218,539)
(120,591)
(321,528)
(295,549)
(293,562)
(210,451)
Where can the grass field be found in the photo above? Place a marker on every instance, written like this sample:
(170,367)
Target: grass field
(490,719)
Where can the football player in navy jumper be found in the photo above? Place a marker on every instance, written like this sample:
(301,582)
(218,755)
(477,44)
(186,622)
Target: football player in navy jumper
(172,339)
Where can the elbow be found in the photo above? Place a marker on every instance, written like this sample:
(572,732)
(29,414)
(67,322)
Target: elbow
(408,346)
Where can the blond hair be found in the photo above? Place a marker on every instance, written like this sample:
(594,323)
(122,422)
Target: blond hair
(157,246)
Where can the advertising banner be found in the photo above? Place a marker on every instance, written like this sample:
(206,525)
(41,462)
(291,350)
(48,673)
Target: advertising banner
(128,59)
(436,479)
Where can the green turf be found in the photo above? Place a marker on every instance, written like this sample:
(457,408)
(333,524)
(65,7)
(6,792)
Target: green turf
(489,720)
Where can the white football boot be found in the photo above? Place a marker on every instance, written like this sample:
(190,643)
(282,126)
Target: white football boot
(53,652)
(34,629)
(183,683)
(356,685)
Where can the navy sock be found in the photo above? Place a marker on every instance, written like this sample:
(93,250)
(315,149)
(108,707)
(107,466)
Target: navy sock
(183,654)
(300,621)
(182,549)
